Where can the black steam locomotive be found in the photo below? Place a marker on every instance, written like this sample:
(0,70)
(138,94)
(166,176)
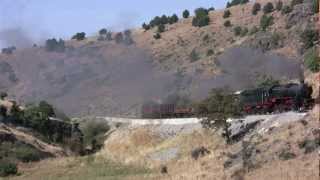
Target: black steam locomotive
(277,98)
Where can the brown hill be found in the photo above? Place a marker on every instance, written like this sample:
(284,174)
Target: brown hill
(106,78)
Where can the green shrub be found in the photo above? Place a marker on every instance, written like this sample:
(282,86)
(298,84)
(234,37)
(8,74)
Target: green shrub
(244,31)
(268,8)
(279,5)
(186,14)
(309,37)
(157,36)
(79,36)
(53,45)
(94,132)
(145,26)
(226,14)
(201,18)
(312,60)
(256,8)
(27,154)
(265,22)
(7,168)
(173,19)
(161,28)
(315,6)
(227,23)
(194,56)
(266,81)
(286,9)
(253,30)
(236,2)
(237,31)
(210,52)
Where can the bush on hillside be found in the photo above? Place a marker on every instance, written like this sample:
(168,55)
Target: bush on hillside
(8,50)
(268,8)
(237,30)
(218,107)
(315,6)
(79,36)
(201,18)
(157,36)
(194,56)
(145,26)
(309,37)
(128,37)
(185,14)
(286,9)
(266,81)
(256,8)
(27,154)
(3,95)
(279,5)
(118,37)
(265,22)
(312,60)
(253,30)
(94,133)
(244,31)
(7,168)
(161,28)
(210,52)
(173,19)
(236,2)
(227,23)
(52,45)
(226,14)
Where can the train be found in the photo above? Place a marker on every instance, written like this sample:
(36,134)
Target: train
(263,100)
(276,98)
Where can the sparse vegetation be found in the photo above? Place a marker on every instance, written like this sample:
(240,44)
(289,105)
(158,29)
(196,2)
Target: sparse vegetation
(7,168)
(244,31)
(79,36)
(157,36)
(309,37)
(315,6)
(218,107)
(268,8)
(253,30)
(201,18)
(52,45)
(279,5)
(194,56)
(227,23)
(226,13)
(312,60)
(265,22)
(161,28)
(236,2)
(237,31)
(256,8)
(210,52)
(8,50)
(94,134)
(286,10)
(185,14)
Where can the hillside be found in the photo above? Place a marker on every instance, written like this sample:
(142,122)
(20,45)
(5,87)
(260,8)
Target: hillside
(104,77)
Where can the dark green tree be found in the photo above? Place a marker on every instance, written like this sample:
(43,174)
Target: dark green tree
(173,19)
(227,23)
(279,5)
(265,22)
(79,36)
(256,8)
(237,31)
(186,14)
(103,32)
(201,17)
(161,28)
(145,26)
(157,36)
(268,8)
(118,37)
(226,14)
